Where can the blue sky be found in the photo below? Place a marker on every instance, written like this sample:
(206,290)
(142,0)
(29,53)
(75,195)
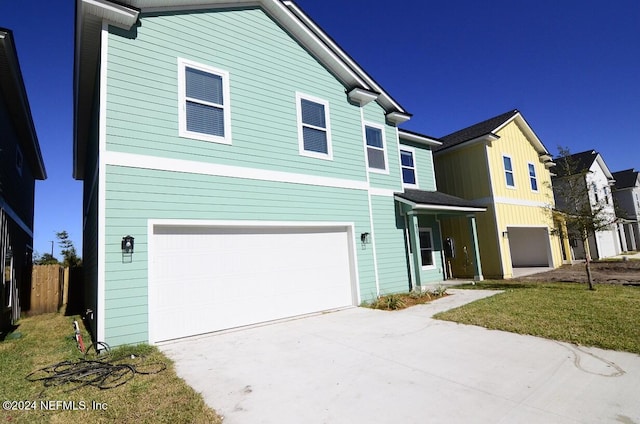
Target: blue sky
(571,67)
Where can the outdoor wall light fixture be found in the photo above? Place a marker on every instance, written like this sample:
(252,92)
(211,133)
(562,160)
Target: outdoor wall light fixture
(127,249)
(127,244)
(365,238)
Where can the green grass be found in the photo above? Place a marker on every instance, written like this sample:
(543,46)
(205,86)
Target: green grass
(608,317)
(47,339)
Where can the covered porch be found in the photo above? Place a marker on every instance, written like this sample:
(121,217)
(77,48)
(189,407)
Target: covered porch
(429,253)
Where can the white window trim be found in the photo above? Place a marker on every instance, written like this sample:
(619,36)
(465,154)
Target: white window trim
(535,177)
(301,149)
(384,147)
(433,258)
(513,173)
(182,112)
(415,166)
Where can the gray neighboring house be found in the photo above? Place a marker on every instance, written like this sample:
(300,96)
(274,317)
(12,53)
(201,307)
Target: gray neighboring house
(599,182)
(626,195)
(20,165)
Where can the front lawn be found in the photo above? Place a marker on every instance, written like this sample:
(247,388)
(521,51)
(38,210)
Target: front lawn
(608,318)
(44,340)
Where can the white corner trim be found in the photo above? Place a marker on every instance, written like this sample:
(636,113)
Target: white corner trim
(102,191)
(132,160)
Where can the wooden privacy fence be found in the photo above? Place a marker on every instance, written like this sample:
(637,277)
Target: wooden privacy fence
(48,283)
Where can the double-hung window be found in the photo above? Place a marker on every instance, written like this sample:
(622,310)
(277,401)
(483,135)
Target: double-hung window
(508,171)
(408,165)
(314,130)
(532,177)
(376,155)
(426,247)
(204,109)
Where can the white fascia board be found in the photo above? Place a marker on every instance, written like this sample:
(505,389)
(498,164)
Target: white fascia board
(605,168)
(90,16)
(482,139)
(312,37)
(385,99)
(405,201)
(529,133)
(417,138)
(419,207)
(450,208)
(113,13)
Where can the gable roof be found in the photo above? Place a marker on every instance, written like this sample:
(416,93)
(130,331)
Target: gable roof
(486,130)
(13,91)
(626,179)
(90,14)
(582,162)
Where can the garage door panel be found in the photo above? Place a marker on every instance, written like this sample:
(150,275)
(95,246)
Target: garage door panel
(209,279)
(529,246)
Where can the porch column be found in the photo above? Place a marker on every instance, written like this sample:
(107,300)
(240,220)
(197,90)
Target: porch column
(412,223)
(632,236)
(476,250)
(623,238)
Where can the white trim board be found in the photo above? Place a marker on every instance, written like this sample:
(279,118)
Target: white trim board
(192,167)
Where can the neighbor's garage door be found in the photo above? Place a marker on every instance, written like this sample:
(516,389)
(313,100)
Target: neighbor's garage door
(204,279)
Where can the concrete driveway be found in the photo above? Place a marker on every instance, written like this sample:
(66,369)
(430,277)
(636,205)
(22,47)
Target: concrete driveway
(365,366)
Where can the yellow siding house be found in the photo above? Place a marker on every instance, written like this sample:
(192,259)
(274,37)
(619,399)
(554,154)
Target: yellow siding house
(500,163)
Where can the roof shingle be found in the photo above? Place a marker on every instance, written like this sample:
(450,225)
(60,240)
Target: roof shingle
(626,179)
(475,131)
(437,198)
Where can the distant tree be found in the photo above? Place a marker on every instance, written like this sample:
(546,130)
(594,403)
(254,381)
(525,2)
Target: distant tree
(45,259)
(585,214)
(68,250)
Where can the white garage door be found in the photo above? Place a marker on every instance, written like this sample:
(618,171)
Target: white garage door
(205,279)
(529,247)
(608,244)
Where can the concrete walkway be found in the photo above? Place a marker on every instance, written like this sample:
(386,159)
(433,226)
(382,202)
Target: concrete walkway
(365,366)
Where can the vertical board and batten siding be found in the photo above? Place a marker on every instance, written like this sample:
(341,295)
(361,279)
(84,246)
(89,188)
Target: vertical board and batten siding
(393,274)
(458,229)
(266,68)
(516,145)
(463,172)
(136,195)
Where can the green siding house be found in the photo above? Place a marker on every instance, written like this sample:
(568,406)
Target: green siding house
(238,168)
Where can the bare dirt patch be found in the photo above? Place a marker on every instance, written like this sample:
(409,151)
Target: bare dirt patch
(603,272)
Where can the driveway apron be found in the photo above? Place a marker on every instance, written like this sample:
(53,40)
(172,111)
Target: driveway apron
(367,366)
